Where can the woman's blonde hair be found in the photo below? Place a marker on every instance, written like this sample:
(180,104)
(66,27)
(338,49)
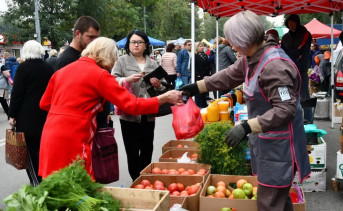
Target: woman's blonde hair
(103,50)
(199,44)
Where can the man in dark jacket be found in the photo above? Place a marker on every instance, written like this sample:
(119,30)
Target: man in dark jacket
(296,43)
(226,58)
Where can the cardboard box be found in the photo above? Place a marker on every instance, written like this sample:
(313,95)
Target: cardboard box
(339,169)
(315,183)
(215,204)
(174,154)
(338,112)
(179,200)
(141,199)
(192,201)
(187,144)
(317,155)
(195,166)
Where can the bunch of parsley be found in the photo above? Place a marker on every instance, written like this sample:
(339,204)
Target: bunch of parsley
(214,150)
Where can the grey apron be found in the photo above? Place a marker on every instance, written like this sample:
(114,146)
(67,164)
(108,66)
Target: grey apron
(275,155)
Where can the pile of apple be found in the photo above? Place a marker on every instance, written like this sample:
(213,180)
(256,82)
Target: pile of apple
(194,156)
(180,171)
(175,189)
(244,190)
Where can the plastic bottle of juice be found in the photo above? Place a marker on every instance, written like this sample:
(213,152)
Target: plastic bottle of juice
(213,112)
(239,96)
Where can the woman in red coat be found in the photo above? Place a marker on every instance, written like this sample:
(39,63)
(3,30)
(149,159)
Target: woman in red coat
(72,98)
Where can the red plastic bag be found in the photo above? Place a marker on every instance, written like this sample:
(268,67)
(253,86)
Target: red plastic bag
(127,86)
(187,121)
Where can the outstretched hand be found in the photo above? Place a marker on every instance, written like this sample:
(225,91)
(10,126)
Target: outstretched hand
(190,90)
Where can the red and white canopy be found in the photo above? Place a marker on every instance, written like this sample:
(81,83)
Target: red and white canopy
(228,8)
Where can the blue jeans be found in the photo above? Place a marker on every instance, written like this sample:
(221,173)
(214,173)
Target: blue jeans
(185,79)
(305,94)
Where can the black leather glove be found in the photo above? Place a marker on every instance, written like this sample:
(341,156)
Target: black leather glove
(190,89)
(236,134)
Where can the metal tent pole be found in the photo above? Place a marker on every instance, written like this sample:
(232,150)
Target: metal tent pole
(217,49)
(193,44)
(332,77)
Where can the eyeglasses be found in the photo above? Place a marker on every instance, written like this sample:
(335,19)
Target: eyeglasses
(134,42)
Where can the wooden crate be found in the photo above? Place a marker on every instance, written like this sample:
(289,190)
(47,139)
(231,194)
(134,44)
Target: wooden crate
(172,144)
(141,199)
(174,154)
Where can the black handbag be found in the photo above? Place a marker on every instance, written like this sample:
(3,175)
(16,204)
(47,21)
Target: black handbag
(165,108)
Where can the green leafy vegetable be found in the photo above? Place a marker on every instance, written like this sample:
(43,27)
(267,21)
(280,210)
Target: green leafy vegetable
(70,188)
(214,150)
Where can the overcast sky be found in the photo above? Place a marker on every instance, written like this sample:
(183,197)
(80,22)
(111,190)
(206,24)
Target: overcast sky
(3,5)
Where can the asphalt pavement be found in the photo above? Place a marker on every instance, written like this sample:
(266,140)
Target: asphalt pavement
(11,179)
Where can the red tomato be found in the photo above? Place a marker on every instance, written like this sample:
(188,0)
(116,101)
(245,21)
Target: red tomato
(184,193)
(180,146)
(203,170)
(165,171)
(193,189)
(159,187)
(156,170)
(175,193)
(139,186)
(173,187)
(219,194)
(181,170)
(180,187)
(201,173)
(145,182)
(157,182)
(186,173)
(191,171)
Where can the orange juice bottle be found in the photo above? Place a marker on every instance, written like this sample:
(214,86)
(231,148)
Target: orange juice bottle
(223,105)
(224,115)
(213,112)
(239,96)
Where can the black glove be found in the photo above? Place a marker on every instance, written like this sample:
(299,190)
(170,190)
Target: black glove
(190,90)
(236,134)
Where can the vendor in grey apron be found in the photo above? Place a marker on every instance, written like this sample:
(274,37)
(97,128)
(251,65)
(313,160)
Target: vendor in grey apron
(271,91)
(277,154)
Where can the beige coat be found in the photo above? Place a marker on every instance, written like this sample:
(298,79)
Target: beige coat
(126,66)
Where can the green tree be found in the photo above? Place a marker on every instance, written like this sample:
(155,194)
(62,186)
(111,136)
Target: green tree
(210,26)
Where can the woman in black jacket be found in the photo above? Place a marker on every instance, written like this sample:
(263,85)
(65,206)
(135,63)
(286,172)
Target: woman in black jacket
(30,82)
(202,69)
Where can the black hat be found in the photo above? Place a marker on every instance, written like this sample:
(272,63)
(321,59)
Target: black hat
(294,18)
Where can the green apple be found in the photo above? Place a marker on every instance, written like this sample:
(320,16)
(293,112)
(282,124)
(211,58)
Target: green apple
(225,209)
(238,193)
(211,190)
(254,198)
(247,187)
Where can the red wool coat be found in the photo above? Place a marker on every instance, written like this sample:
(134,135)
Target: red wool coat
(70,98)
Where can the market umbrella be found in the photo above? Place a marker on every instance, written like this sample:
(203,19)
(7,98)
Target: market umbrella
(155,42)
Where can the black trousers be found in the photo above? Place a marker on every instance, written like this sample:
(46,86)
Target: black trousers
(171,80)
(33,145)
(4,105)
(138,140)
(274,199)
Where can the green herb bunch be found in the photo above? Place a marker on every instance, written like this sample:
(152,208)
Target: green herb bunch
(214,150)
(70,188)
